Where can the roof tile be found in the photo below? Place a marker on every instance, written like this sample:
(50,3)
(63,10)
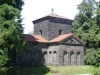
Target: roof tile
(39,38)
(61,37)
(34,38)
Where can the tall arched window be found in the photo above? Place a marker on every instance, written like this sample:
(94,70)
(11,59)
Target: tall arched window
(37,57)
(40,32)
(72,58)
(55,57)
(60,31)
(45,56)
(29,56)
(78,58)
(65,58)
(32,57)
(50,57)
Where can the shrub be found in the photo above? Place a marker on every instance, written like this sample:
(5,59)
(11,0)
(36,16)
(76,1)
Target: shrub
(97,58)
(90,56)
(3,71)
(96,71)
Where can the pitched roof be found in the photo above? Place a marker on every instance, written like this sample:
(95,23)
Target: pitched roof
(52,16)
(58,16)
(34,38)
(39,38)
(61,37)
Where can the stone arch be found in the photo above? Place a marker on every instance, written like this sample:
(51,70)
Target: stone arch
(65,58)
(55,57)
(78,58)
(33,57)
(29,56)
(50,57)
(37,57)
(45,56)
(72,58)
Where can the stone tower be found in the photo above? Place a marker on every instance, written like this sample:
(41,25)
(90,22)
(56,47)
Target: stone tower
(51,26)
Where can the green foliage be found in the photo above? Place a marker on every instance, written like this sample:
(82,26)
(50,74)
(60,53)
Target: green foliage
(96,70)
(85,24)
(97,58)
(11,26)
(3,71)
(90,56)
(15,3)
(11,29)
(39,70)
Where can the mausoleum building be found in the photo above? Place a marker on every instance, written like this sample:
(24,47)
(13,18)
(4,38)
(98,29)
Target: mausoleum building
(53,43)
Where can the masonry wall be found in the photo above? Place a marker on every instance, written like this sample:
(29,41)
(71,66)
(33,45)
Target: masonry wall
(50,30)
(74,55)
(43,54)
(56,29)
(42,26)
(53,55)
(33,55)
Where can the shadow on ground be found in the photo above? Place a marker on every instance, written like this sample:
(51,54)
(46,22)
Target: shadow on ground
(39,70)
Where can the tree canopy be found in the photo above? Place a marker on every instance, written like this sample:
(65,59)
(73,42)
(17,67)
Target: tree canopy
(11,29)
(86,26)
(86,23)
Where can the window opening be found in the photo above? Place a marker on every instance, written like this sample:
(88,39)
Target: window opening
(41,32)
(60,31)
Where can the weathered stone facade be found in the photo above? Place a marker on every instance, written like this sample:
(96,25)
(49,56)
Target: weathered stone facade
(60,47)
(51,30)
(54,54)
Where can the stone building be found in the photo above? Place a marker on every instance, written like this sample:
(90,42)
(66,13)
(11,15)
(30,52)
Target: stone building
(53,43)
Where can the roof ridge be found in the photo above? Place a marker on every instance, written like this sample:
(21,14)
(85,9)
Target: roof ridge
(54,15)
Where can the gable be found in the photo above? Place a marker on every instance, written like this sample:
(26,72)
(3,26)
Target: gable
(73,40)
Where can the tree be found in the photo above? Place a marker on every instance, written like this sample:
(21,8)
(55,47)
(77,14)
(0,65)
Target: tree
(15,3)
(84,25)
(11,29)
(90,56)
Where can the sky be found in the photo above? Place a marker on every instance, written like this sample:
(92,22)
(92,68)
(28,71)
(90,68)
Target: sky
(35,9)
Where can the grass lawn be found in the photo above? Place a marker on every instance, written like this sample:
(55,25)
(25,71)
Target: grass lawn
(70,70)
(50,70)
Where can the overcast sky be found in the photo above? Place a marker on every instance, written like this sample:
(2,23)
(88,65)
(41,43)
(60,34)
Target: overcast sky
(34,9)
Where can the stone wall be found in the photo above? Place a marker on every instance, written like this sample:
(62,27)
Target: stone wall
(33,55)
(41,26)
(43,54)
(71,55)
(56,29)
(50,30)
